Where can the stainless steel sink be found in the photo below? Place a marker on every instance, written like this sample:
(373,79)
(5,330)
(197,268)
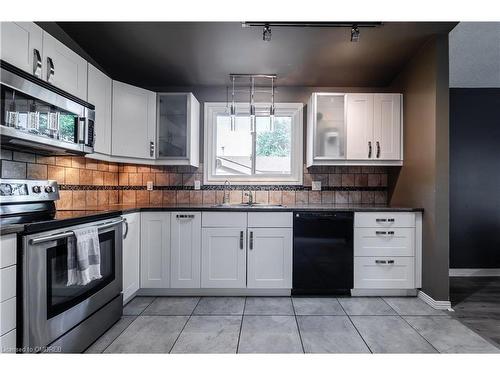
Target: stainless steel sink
(247,205)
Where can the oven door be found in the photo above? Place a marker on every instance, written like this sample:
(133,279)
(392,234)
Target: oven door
(51,308)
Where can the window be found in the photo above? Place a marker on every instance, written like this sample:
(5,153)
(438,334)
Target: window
(270,154)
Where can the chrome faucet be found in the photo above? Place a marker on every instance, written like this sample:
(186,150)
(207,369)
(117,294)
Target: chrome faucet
(250,197)
(225,195)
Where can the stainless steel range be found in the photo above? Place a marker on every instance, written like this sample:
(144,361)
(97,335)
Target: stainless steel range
(55,316)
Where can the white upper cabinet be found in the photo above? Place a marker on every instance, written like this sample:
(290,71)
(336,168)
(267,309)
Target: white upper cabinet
(387,126)
(99,94)
(64,68)
(326,130)
(21,46)
(354,129)
(185,258)
(155,250)
(134,122)
(131,255)
(360,126)
(178,128)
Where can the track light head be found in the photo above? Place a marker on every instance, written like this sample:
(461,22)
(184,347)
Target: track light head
(354,33)
(266,33)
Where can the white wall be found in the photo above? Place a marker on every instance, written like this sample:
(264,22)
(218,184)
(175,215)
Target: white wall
(475,54)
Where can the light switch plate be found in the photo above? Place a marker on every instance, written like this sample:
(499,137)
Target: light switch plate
(316,185)
(149,185)
(197,184)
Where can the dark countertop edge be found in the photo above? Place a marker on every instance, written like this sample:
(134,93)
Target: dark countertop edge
(93,215)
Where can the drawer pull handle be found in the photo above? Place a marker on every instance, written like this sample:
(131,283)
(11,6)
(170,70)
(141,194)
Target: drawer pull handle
(184,216)
(390,220)
(390,262)
(379,232)
(380,262)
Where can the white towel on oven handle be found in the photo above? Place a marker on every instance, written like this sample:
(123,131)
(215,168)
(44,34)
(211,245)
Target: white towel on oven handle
(84,256)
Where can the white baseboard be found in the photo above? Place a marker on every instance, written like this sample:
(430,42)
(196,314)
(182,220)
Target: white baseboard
(383,292)
(472,272)
(438,305)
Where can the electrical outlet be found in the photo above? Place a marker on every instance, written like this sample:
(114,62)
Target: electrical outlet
(197,184)
(316,185)
(149,185)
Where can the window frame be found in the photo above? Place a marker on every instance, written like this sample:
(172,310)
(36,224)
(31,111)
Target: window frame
(293,110)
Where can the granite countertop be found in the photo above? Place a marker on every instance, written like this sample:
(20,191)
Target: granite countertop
(72,217)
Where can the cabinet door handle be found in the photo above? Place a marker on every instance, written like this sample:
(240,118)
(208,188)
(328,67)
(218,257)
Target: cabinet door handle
(369,149)
(378,149)
(50,70)
(37,63)
(251,240)
(151,149)
(241,240)
(126,228)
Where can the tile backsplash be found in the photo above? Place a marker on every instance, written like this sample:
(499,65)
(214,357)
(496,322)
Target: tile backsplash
(88,183)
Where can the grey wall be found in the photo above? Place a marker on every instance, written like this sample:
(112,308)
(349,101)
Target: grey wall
(423,180)
(475,54)
(474,137)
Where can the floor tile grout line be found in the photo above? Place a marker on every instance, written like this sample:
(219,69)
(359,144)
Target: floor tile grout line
(121,333)
(241,325)
(356,328)
(184,326)
(298,328)
(413,328)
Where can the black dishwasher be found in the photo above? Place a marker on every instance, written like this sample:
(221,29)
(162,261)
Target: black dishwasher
(323,253)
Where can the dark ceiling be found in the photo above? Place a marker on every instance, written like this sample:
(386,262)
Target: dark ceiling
(162,54)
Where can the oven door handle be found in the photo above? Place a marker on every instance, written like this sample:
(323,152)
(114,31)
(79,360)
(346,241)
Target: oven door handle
(69,233)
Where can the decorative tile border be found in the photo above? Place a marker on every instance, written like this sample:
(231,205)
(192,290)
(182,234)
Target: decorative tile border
(221,187)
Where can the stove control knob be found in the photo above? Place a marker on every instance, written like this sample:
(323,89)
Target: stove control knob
(37,189)
(49,189)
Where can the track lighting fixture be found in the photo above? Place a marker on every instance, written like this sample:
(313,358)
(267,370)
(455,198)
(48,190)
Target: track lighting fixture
(266,33)
(354,33)
(233,110)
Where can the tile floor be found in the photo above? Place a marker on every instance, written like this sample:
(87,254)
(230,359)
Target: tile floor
(287,325)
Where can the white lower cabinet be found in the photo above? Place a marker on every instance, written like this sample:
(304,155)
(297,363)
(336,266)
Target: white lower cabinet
(155,250)
(269,258)
(387,250)
(223,257)
(131,255)
(185,247)
(384,272)
(8,245)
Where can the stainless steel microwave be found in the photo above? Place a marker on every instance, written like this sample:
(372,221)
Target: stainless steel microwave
(36,116)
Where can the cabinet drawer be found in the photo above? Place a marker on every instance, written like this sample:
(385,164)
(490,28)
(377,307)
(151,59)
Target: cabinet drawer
(384,272)
(270,220)
(224,219)
(384,219)
(7,315)
(384,242)
(7,283)
(8,252)
(8,342)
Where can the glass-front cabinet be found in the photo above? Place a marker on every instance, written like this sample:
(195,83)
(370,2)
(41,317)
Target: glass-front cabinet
(326,130)
(178,116)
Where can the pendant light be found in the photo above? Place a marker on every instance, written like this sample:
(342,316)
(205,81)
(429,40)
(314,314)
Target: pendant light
(252,105)
(272,109)
(233,110)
